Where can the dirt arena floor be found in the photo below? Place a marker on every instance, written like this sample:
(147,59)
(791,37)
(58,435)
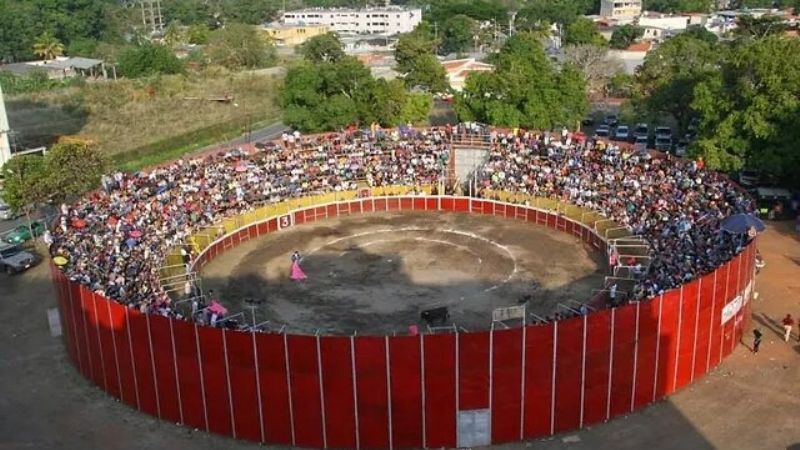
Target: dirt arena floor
(750,402)
(374,274)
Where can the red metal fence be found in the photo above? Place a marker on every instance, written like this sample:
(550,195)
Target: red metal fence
(431,390)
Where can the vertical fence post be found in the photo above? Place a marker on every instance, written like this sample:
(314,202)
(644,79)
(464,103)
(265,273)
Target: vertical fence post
(228,381)
(258,382)
(355,389)
(724,302)
(658,346)
(133,360)
(114,348)
(522,385)
(100,342)
(678,343)
(738,292)
(202,377)
(610,363)
(289,387)
(583,369)
(635,355)
(321,394)
(389,389)
(457,383)
(711,321)
(75,327)
(175,364)
(553,380)
(422,390)
(696,323)
(153,364)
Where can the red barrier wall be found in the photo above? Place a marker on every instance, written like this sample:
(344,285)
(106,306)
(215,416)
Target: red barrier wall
(408,391)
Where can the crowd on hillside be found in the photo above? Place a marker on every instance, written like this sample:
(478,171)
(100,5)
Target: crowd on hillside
(114,239)
(675,205)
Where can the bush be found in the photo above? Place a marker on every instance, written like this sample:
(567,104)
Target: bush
(148,59)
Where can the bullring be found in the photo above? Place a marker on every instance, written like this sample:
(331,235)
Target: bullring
(460,388)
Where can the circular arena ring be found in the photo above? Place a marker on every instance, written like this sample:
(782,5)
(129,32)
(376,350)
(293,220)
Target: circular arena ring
(442,387)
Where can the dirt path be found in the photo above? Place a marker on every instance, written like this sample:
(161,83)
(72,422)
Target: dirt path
(749,402)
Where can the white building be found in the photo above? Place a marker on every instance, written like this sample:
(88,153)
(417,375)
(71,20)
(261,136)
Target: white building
(387,20)
(620,9)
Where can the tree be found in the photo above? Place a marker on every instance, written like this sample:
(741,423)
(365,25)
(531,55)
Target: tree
(323,48)
(197,34)
(597,66)
(148,59)
(525,90)
(539,13)
(625,35)
(74,168)
(427,73)
(677,6)
(748,26)
(666,80)
(416,60)
(411,45)
(240,46)
(416,108)
(459,33)
(175,35)
(583,31)
(480,10)
(25,182)
(47,46)
(252,12)
(750,109)
(700,33)
(332,95)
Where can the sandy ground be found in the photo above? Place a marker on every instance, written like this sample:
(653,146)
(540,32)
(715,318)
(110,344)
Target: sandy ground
(748,403)
(374,274)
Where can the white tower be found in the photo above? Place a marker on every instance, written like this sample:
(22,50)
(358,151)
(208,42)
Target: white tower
(5,147)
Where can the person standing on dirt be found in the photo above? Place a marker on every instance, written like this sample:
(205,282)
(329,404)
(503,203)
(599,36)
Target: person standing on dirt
(788,324)
(756,340)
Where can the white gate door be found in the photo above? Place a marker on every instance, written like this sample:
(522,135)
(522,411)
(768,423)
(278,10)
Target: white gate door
(474,428)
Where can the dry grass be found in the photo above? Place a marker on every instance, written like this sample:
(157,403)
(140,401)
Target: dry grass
(128,114)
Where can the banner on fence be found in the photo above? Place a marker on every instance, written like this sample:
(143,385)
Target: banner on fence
(732,308)
(508,313)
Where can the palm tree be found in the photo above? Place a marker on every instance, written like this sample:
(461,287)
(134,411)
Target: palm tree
(48,46)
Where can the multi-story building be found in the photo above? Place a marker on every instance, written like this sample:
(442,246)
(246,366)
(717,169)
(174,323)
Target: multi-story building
(387,20)
(620,9)
(291,35)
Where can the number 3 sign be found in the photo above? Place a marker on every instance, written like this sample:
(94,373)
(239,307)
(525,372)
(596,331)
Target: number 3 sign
(285,221)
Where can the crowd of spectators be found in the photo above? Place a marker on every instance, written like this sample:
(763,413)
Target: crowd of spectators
(675,205)
(115,238)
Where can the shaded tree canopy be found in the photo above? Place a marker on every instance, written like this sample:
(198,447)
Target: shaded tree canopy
(750,109)
(525,90)
(625,35)
(323,48)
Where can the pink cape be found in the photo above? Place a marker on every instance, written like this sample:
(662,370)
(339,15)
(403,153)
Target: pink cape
(297,272)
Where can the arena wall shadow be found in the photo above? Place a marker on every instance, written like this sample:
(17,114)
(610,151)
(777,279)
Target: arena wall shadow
(430,390)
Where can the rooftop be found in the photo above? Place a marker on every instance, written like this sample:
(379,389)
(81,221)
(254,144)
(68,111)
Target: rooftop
(392,8)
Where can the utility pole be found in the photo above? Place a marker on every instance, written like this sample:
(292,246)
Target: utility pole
(5,130)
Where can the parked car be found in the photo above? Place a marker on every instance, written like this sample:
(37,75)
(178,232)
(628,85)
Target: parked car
(602,131)
(640,141)
(13,259)
(664,132)
(611,120)
(641,130)
(748,178)
(681,147)
(588,121)
(774,203)
(622,133)
(6,213)
(22,233)
(663,144)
